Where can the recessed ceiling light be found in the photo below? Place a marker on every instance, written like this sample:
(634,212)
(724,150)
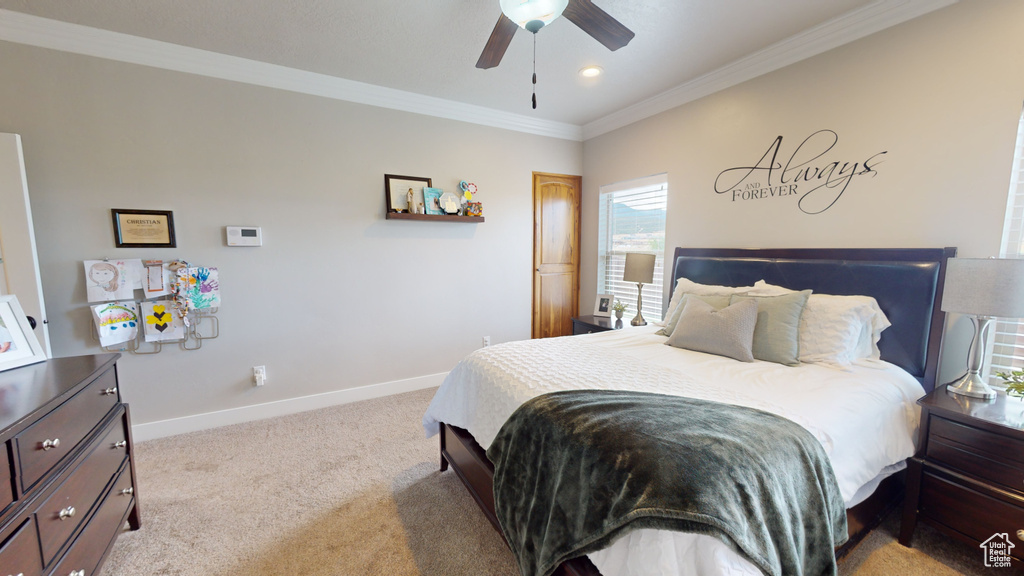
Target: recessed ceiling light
(591,71)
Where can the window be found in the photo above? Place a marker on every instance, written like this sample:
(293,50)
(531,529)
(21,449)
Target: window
(1008,343)
(632,219)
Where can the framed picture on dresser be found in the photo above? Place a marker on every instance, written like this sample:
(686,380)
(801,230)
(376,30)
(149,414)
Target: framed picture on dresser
(18,345)
(603,305)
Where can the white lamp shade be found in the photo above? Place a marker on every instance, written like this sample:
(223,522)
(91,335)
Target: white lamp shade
(984,287)
(639,268)
(523,11)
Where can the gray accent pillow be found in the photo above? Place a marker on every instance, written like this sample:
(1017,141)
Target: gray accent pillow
(718,302)
(777,333)
(726,332)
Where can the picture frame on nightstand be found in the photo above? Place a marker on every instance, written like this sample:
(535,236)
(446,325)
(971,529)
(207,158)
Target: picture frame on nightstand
(603,305)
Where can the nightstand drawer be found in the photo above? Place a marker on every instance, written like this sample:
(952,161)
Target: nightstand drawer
(970,512)
(979,453)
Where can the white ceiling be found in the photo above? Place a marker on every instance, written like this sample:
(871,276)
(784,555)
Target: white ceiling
(431,47)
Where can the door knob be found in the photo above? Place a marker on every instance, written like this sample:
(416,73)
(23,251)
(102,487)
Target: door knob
(31,322)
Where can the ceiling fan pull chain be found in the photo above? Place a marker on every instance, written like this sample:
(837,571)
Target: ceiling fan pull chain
(534,70)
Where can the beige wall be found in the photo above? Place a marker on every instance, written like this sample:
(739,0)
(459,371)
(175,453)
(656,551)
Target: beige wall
(941,94)
(337,297)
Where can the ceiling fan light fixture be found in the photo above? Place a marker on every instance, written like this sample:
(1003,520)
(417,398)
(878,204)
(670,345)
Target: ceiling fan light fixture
(533,15)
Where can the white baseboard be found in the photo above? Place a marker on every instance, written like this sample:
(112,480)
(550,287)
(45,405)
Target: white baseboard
(174,426)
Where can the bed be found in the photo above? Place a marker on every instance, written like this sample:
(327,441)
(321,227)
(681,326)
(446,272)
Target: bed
(905,283)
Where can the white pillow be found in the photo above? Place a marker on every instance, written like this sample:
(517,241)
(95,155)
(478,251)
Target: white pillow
(686,286)
(835,330)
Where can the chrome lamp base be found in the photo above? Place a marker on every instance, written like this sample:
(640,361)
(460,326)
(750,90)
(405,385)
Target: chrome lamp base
(638,320)
(971,384)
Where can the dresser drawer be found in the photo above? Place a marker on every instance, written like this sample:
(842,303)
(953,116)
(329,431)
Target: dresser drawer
(979,453)
(970,512)
(45,443)
(20,553)
(82,489)
(90,546)
(6,488)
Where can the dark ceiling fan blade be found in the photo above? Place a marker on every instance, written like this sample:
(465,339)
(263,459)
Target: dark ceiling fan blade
(597,23)
(497,43)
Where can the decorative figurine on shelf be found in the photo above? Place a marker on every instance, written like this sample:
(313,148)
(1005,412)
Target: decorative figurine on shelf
(409,202)
(470,208)
(449,203)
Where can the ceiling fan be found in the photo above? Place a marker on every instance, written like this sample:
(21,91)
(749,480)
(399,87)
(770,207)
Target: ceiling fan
(533,15)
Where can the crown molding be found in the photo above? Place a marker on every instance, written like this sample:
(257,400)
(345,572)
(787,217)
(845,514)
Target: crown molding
(53,34)
(847,28)
(46,33)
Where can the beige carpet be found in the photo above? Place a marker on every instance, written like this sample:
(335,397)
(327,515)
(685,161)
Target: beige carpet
(355,489)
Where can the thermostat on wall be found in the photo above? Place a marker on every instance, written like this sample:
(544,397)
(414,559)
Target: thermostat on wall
(245,236)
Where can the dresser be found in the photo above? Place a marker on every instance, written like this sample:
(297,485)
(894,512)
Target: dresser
(67,478)
(967,479)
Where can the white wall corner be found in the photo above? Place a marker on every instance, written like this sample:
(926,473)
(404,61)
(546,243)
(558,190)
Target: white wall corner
(194,423)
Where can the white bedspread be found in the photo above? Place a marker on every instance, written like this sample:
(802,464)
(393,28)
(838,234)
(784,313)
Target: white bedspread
(866,418)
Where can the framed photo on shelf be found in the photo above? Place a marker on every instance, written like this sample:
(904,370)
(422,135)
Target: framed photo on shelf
(431,200)
(396,191)
(143,228)
(18,345)
(603,305)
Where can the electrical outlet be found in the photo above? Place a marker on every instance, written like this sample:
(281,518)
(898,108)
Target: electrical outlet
(259,375)
(487,341)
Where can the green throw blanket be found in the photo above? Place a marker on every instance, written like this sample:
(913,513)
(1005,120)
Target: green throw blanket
(574,470)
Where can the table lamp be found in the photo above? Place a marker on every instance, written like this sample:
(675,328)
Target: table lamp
(639,269)
(984,289)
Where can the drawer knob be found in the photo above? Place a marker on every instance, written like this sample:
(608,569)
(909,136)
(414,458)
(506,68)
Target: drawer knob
(131,490)
(68,512)
(48,444)
(110,391)
(1020,534)
(120,444)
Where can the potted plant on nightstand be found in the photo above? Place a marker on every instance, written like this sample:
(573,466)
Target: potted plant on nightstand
(619,307)
(1014,382)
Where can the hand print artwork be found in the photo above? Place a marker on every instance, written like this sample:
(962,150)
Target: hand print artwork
(201,286)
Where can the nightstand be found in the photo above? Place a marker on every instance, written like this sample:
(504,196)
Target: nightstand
(590,324)
(967,479)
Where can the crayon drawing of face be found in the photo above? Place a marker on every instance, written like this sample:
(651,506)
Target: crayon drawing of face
(104,275)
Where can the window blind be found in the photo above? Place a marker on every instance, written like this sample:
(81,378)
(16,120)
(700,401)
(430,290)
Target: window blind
(1008,339)
(632,219)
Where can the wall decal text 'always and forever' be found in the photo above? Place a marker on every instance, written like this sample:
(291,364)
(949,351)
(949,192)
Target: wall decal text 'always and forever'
(819,186)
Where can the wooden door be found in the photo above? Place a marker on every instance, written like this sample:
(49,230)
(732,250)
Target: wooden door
(19,266)
(556,253)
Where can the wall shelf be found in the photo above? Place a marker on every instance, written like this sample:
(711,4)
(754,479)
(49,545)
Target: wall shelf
(432,217)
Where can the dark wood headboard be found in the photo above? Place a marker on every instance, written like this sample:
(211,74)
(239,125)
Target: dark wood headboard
(907,283)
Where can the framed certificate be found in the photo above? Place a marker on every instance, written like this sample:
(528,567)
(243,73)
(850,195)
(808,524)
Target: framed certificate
(143,228)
